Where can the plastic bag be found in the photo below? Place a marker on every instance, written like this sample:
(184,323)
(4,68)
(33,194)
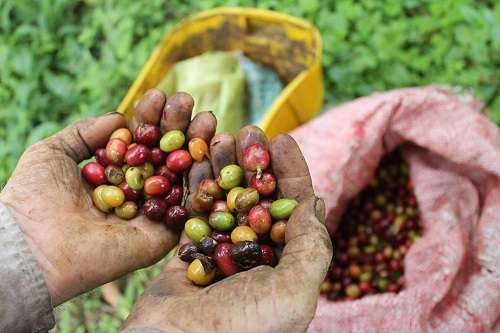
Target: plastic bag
(216,82)
(452,273)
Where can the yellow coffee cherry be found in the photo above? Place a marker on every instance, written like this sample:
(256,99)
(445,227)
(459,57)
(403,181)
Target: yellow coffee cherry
(243,233)
(196,273)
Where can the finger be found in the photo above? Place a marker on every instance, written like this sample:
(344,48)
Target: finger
(290,168)
(199,171)
(202,126)
(222,151)
(149,109)
(172,280)
(247,136)
(80,139)
(177,112)
(308,249)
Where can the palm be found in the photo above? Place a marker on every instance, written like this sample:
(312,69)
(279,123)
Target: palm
(53,206)
(271,299)
(76,246)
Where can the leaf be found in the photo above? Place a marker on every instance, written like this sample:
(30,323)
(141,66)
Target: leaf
(58,84)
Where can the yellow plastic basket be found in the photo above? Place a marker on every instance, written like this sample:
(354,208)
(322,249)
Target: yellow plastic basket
(289,45)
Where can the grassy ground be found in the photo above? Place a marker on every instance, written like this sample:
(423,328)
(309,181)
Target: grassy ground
(62,60)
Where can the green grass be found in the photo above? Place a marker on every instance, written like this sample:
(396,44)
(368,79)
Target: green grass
(61,60)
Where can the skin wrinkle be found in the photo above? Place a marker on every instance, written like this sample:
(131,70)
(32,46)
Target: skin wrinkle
(68,269)
(269,297)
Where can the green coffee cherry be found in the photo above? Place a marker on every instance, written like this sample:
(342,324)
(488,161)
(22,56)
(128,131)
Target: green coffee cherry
(230,176)
(114,174)
(221,221)
(127,210)
(147,170)
(248,198)
(282,209)
(196,229)
(172,140)
(134,178)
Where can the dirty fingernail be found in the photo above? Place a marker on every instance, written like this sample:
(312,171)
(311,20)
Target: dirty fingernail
(319,209)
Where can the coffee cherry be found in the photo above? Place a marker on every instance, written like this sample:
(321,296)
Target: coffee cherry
(267,255)
(198,275)
(147,134)
(134,178)
(130,194)
(179,161)
(186,252)
(256,158)
(157,157)
(245,200)
(207,245)
(94,173)
(231,198)
(210,187)
(165,172)
(98,200)
(198,149)
(246,254)
(128,210)
(196,229)
(113,196)
(230,176)
(156,186)
(115,151)
(223,260)
(265,184)
(154,209)
(147,170)
(137,155)
(282,209)
(122,134)
(278,232)
(114,174)
(201,202)
(175,217)
(243,233)
(174,197)
(259,219)
(100,156)
(172,140)
(221,221)
(221,237)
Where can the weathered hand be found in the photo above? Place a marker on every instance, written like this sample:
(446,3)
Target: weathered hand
(76,246)
(263,299)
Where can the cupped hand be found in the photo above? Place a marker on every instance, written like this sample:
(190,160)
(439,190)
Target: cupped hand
(76,246)
(263,299)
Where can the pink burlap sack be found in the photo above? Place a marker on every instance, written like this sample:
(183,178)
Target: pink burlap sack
(453,272)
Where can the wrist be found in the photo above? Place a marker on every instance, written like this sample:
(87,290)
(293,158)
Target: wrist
(25,224)
(25,297)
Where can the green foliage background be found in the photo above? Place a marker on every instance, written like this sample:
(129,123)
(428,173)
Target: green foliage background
(61,60)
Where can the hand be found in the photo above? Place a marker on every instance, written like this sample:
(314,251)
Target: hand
(76,246)
(263,299)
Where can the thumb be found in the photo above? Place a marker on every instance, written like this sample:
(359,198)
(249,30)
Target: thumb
(80,139)
(308,249)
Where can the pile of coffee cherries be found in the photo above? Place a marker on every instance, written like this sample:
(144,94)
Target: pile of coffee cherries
(374,235)
(147,173)
(232,228)
(244,225)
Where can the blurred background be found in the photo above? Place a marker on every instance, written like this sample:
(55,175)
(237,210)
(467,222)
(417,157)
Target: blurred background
(62,60)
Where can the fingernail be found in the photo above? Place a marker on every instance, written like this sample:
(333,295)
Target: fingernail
(110,113)
(319,209)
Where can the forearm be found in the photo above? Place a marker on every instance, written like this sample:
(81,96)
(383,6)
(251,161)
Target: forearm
(25,304)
